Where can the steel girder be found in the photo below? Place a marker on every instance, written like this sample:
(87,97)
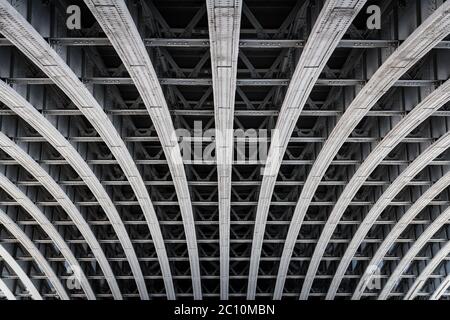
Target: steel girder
(224,19)
(26,281)
(27,112)
(427,271)
(423,39)
(15,27)
(408,174)
(7,293)
(41,261)
(440,291)
(413,251)
(53,234)
(394,234)
(240,82)
(419,114)
(41,175)
(330,27)
(120,28)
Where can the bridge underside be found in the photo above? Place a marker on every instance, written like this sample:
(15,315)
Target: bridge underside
(273,35)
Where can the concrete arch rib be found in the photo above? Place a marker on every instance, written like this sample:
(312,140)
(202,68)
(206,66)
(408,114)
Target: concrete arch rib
(412,252)
(35,119)
(331,25)
(390,239)
(17,30)
(422,40)
(7,293)
(420,113)
(116,21)
(224,20)
(425,274)
(51,231)
(42,176)
(385,199)
(40,260)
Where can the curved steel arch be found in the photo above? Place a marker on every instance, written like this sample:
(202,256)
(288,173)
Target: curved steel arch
(437,294)
(420,113)
(423,39)
(393,235)
(331,25)
(224,19)
(385,199)
(24,278)
(40,260)
(117,23)
(17,30)
(48,228)
(431,266)
(6,291)
(413,251)
(42,176)
(35,119)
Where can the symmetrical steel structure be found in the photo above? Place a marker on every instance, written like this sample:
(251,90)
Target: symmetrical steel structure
(224,149)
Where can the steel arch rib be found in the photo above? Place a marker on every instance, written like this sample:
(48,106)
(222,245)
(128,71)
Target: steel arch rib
(17,30)
(40,260)
(425,274)
(117,23)
(399,183)
(7,293)
(48,228)
(437,294)
(42,176)
(423,39)
(35,119)
(420,113)
(224,20)
(24,278)
(413,251)
(331,25)
(390,239)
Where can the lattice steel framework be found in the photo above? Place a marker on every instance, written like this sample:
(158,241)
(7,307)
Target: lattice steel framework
(105,188)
